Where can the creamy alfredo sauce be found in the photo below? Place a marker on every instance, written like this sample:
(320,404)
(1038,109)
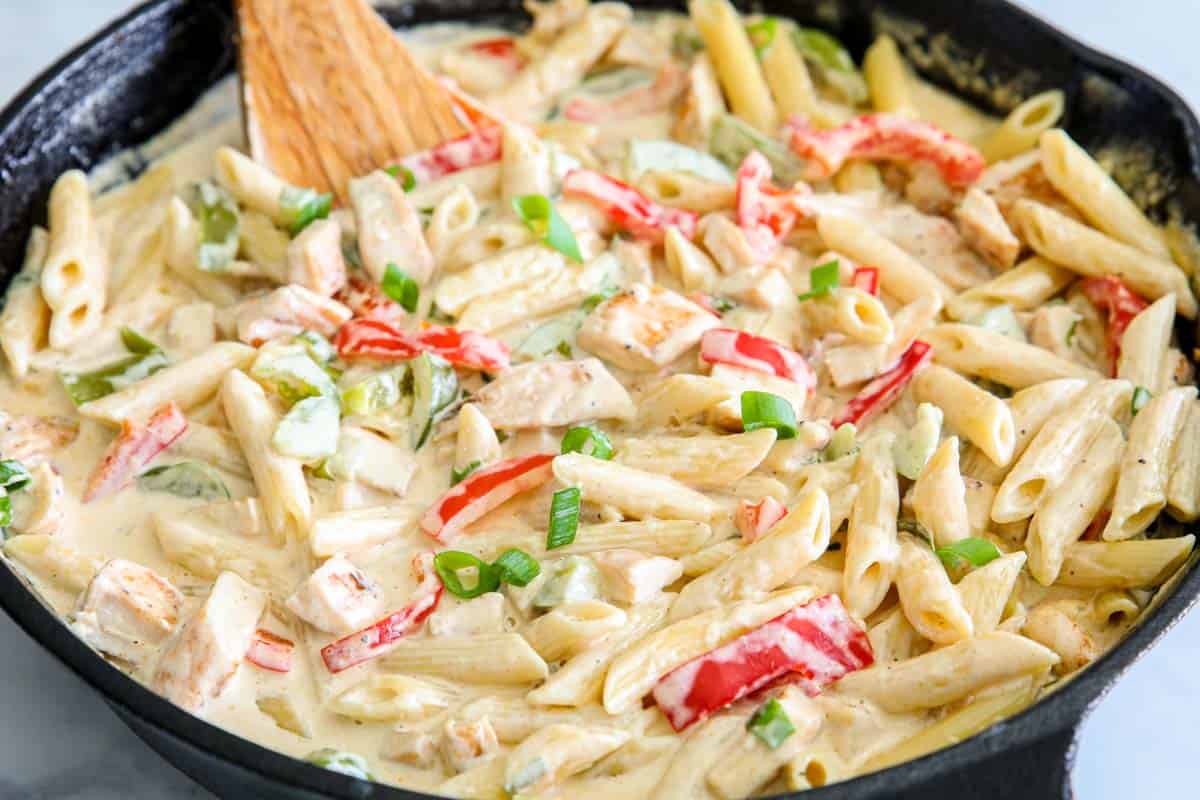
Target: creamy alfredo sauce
(299,712)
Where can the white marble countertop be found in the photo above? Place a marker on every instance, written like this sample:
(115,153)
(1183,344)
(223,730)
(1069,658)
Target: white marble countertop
(59,741)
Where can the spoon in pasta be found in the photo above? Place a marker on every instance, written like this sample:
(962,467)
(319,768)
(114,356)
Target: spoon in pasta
(329,92)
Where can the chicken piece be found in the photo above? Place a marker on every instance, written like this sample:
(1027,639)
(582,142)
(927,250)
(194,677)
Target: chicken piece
(1052,625)
(702,104)
(1053,328)
(368,458)
(287,311)
(52,561)
(198,663)
(338,598)
(389,228)
(466,743)
(127,610)
(315,258)
(549,393)
(644,328)
(410,746)
(766,288)
(38,508)
(726,243)
(985,230)
(30,439)
(728,415)
(926,190)
(632,577)
(935,242)
(484,614)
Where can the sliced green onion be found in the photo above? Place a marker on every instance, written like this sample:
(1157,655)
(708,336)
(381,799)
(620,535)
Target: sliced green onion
(13,475)
(842,443)
(1071,332)
(320,348)
(771,724)
(190,479)
(449,563)
(220,226)
(564,518)
(457,476)
(589,441)
(822,48)
(685,45)
(437,315)
(136,343)
(1141,396)
(300,207)
(517,567)
(762,34)
(408,181)
(83,387)
(823,279)
(974,550)
(590,303)
(563,348)
(722,304)
(915,528)
(766,410)
(400,287)
(5,509)
(541,217)
(351,764)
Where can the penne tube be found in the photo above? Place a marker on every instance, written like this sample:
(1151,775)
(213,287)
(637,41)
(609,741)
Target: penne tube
(887,78)
(767,563)
(635,672)
(732,55)
(1072,244)
(253,185)
(570,628)
(927,597)
(1063,516)
(390,697)
(1141,491)
(1183,483)
(1132,564)
(984,353)
(855,363)
(453,218)
(746,767)
(871,543)
(687,262)
(702,461)
(279,479)
(187,384)
(502,659)
(852,312)
(790,84)
(984,419)
(679,398)
(635,492)
(1063,438)
(711,557)
(206,551)
(1022,127)
(985,591)
(1144,346)
(702,748)
(949,674)
(939,496)
(507,270)
(24,316)
(524,164)
(1078,177)
(1025,287)
(893,638)
(74,278)
(361,528)
(557,752)
(900,275)
(543,295)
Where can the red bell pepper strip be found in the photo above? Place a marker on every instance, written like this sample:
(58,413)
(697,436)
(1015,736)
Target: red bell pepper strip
(755,519)
(371,338)
(1112,295)
(876,396)
(133,449)
(482,491)
(480,146)
(866,279)
(270,652)
(885,137)
(628,207)
(379,638)
(764,212)
(741,349)
(814,645)
(366,299)
(502,49)
(668,84)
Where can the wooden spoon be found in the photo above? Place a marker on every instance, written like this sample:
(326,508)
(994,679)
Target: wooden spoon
(330,93)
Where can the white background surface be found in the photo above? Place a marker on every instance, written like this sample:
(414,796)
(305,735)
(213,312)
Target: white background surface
(58,740)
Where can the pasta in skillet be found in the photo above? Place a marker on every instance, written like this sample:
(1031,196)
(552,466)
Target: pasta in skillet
(715,419)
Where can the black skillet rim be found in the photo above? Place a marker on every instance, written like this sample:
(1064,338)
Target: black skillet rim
(1062,711)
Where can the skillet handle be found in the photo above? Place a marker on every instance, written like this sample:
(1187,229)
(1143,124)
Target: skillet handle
(1040,770)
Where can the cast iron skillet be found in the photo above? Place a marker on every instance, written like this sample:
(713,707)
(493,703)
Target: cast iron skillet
(144,70)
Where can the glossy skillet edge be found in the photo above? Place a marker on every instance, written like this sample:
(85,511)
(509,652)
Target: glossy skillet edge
(1026,756)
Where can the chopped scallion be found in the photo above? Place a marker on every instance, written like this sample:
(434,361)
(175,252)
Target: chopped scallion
(457,476)
(408,181)
(517,567)
(766,410)
(13,475)
(974,550)
(300,207)
(564,518)
(1141,396)
(399,286)
(5,509)
(762,34)
(771,724)
(540,215)
(823,279)
(589,441)
(220,225)
(136,343)
(449,563)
